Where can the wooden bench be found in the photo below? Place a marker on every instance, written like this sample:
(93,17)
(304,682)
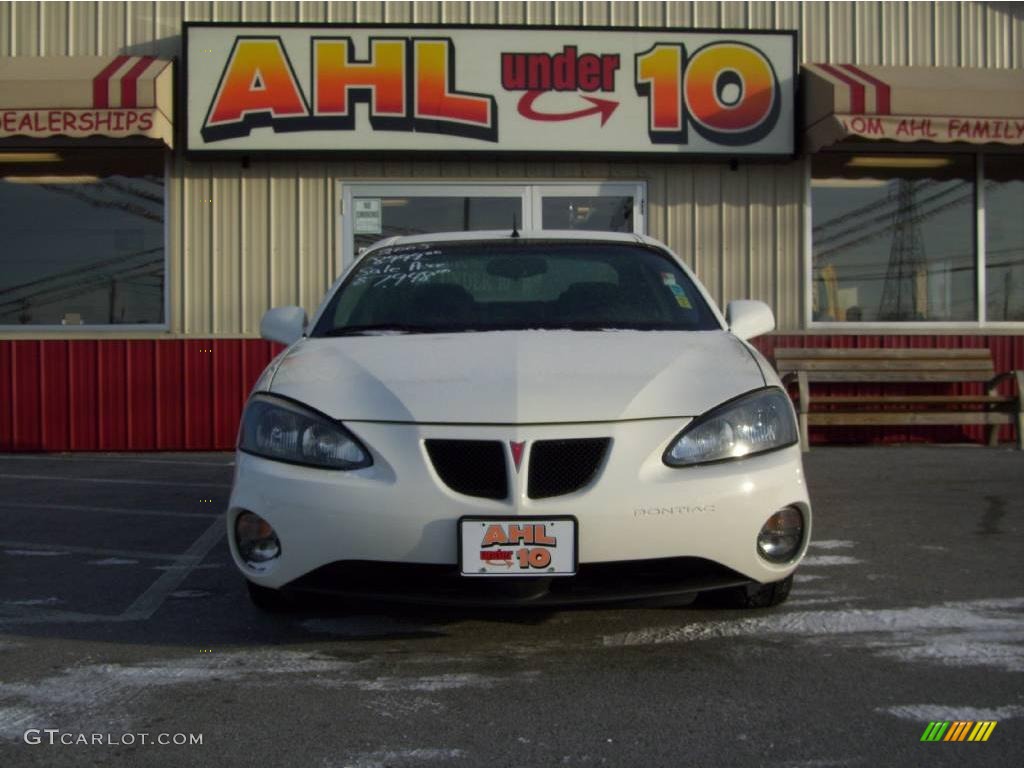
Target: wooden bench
(907,366)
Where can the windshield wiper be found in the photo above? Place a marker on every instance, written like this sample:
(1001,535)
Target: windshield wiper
(385,328)
(606,325)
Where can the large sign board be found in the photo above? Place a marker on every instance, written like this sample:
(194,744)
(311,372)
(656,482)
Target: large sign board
(259,88)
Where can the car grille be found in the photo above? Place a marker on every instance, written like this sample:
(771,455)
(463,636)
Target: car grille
(472,467)
(558,467)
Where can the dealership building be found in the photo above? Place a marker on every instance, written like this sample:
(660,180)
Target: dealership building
(169,171)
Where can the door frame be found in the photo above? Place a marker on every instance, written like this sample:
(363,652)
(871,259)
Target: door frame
(530,192)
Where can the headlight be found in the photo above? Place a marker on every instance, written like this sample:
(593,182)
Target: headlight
(286,431)
(753,423)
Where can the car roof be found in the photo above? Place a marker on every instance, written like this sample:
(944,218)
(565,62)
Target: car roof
(523,234)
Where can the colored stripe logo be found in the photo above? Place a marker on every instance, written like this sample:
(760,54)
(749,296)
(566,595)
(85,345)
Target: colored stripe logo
(883,95)
(100,99)
(123,73)
(856,87)
(862,87)
(129,83)
(958,730)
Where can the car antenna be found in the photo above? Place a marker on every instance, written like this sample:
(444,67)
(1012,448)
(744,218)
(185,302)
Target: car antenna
(515,227)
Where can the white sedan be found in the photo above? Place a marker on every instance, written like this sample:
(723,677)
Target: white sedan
(497,418)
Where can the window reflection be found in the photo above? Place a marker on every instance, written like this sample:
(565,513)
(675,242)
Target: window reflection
(424,215)
(604,214)
(893,238)
(1004,238)
(83,238)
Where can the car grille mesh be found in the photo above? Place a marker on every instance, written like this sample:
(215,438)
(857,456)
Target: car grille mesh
(558,467)
(472,467)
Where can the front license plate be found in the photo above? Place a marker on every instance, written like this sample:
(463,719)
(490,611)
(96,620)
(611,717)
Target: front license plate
(517,546)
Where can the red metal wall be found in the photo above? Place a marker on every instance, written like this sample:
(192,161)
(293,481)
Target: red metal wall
(136,395)
(141,395)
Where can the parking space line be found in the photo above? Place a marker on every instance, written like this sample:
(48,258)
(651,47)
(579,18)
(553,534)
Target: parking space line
(110,510)
(10,615)
(96,550)
(116,481)
(150,601)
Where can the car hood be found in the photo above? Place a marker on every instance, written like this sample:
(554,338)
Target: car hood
(518,377)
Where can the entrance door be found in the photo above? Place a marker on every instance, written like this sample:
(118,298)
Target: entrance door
(374,211)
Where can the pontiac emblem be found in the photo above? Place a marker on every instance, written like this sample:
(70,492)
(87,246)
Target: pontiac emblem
(517,452)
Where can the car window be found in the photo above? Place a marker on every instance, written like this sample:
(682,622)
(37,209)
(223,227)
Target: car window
(479,286)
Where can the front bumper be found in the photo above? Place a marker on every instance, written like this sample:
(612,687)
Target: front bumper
(352,532)
(594,583)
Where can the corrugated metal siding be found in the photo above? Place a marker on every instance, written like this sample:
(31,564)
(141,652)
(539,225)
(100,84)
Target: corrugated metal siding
(1007,355)
(137,395)
(244,239)
(187,394)
(704,211)
(898,33)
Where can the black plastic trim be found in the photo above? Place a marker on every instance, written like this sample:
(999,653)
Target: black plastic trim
(377,582)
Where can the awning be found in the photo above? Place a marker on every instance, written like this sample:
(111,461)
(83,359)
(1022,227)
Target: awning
(920,104)
(82,96)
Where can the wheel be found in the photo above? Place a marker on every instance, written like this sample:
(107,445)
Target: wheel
(270,600)
(751,595)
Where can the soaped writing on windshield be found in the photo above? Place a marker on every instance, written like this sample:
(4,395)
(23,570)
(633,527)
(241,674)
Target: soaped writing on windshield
(401,265)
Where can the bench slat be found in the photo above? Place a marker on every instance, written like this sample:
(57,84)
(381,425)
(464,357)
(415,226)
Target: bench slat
(847,399)
(889,365)
(907,417)
(883,354)
(894,376)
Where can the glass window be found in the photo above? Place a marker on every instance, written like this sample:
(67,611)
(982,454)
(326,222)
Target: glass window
(1004,237)
(893,238)
(606,213)
(414,215)
(490,286)
(378,210)
(83,237)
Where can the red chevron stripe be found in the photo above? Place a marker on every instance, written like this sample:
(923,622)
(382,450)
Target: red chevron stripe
(100,99)
(856,88)
(129,83)
(883,94)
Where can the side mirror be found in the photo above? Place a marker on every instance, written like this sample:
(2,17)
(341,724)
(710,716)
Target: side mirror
(748,319)
(283,324)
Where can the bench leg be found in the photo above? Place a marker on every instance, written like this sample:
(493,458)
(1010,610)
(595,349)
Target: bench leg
(993,435)
(1019,375)
(993,429)
(805,406)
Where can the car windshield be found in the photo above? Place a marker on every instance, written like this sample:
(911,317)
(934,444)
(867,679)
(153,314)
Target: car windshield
(491,286)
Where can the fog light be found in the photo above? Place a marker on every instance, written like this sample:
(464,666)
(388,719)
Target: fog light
(257,542)
(780,537)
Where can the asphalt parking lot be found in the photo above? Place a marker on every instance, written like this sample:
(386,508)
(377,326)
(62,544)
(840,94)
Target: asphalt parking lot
(121,615)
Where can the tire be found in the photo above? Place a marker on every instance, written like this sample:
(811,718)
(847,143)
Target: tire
(751,595)
(270,600)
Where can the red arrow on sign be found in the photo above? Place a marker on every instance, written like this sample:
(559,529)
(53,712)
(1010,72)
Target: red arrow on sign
(603,107)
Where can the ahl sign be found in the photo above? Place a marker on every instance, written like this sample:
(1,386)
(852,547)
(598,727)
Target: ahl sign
(253,88)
